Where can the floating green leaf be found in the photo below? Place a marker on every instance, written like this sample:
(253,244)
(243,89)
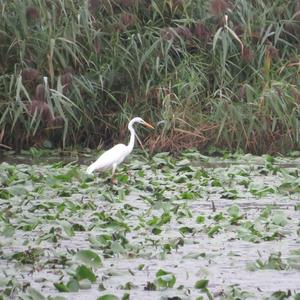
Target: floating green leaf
(108,297)
(165,278)
(83,272)
(89,257)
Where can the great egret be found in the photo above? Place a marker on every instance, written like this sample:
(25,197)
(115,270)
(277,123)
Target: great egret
(114,156)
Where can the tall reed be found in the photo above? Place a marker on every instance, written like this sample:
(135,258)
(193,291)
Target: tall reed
(218,72)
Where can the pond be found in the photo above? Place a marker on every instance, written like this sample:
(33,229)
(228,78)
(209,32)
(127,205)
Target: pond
(190,227)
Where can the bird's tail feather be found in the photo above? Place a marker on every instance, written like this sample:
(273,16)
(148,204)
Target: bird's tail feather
(90,169)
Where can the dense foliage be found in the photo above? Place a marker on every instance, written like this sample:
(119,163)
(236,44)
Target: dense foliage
(225,229)
(74,72)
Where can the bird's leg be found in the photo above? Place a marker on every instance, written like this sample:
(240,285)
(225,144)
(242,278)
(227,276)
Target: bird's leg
(113,180)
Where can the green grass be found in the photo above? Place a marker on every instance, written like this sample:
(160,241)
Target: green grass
(233,86)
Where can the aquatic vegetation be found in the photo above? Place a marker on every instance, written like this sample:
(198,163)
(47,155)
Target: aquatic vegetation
(186,227)
(74,71)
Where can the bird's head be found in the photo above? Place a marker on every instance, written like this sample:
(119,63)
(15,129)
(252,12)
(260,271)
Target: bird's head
(141,121)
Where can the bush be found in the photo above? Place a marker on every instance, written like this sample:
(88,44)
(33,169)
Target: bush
(74,72)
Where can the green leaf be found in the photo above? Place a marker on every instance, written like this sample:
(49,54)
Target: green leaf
(297,296)
(187,195)
(8,231)
(280,295)
(156,231)
(34,294)
(279,219)
(108,297)
(200,219)
(60,286)
(214,230)
(83,272)
(201,284)
(234,211)
(89,257)
(4,194)
(68,228)
(56,298)
(73,285)
(165,278)
(184,230)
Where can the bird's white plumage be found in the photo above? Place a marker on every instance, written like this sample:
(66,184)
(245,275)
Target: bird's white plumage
(114,156)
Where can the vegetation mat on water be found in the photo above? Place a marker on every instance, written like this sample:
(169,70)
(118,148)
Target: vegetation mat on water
(194,227)
(74,72)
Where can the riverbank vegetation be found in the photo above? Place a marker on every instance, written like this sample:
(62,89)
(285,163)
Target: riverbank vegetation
(74,73)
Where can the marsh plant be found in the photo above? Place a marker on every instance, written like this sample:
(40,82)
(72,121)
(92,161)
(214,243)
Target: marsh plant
(168,230)
(217,72)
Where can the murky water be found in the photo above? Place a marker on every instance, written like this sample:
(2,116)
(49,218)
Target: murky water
(221,258)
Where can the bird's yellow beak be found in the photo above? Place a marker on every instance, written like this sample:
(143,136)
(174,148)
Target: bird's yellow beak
(148,125)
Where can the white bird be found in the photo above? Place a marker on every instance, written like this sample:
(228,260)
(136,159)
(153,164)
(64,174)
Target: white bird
(114,156)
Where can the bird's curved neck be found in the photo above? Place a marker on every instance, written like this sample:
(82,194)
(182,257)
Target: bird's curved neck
(132,137)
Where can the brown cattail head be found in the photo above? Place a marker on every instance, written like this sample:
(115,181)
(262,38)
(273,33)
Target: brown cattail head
(184,32)
(94,6)
(40,108)
(168,33)
(242,91)
(126,3)
(272,52)
(177,3)
(32,13)
(97,45)
(247,55)
(219,7)
(201,32)
(66,80)
(30,74)
(296,95)
(127,20)
(40,93)
(239,30)
(55,123)
(255,37)
(297,11)
(54,6)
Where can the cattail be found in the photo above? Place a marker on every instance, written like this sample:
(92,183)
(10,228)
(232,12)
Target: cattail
(167,33)
(32,13)
(40,93)
(239,30)
(247,55)
(219,7)
(201,32)
(40,108)
(184,32)
(255,37)
(272,52)
(127,20)
(297,11)
(68,70)
(177,3)
(94,6)
(51,4)
(296,94)
(242,92)
(97,45)
(30,74)
(66,80)
(126,3)
(56,122)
